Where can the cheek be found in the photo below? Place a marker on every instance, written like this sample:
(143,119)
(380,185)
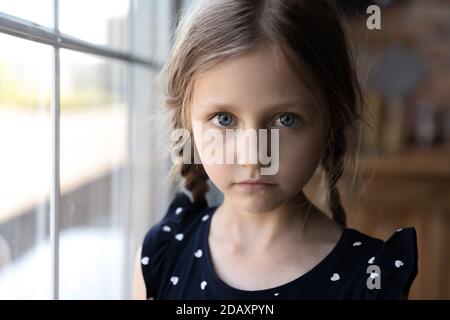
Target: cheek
(299,157)
(219,174)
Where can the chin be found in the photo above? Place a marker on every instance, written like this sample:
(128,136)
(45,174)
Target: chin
(256,203)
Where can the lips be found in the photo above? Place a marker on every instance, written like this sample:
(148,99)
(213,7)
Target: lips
(254,185)
(258,181)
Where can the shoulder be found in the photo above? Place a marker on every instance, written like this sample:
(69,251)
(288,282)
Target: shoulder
(391,264)
(398,260)
(158,243)
(180,212)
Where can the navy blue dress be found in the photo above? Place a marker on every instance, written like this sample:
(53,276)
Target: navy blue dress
(176,263)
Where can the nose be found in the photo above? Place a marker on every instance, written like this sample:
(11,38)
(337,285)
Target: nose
(253,147)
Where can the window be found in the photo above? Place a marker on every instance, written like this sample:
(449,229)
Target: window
(104,21)
(77,183)
(25,144)
(40,12)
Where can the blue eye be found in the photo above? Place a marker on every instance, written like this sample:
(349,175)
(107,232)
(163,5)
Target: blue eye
(222,120)
(287,120)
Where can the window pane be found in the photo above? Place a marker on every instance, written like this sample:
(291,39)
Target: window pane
(94,190)
(152,23)
(25,167)
(38,11)
(147,187)
(102,22)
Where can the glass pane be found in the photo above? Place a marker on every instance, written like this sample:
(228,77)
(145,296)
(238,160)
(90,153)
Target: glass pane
(146,186)
(38,11)
(25,144)
(103,22)
(152,22)
(94,188)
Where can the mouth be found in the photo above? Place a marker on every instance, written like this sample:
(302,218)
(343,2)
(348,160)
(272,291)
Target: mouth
(255,185)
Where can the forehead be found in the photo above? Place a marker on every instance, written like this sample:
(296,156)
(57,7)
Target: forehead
(260,77)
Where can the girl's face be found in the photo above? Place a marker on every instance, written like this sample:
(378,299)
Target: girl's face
(258,90)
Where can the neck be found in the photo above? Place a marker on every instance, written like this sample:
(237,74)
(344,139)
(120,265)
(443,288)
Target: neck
(257,231)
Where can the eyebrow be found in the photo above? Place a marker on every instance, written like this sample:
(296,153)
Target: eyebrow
(295,103)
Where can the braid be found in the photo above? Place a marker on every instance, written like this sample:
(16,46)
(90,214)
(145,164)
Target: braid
(194,174)
(334,166)
(196,182)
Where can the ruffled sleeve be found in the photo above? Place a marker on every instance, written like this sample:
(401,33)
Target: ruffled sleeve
(397,261)
(157,242)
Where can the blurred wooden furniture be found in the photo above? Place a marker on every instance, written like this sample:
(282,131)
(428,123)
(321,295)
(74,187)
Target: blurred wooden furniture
(408,189)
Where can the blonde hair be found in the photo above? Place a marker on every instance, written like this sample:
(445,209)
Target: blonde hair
(308,33)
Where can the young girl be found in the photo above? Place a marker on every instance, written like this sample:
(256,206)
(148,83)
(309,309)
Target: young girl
(274,64)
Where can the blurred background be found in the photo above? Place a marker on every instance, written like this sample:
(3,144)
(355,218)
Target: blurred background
(81,180)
